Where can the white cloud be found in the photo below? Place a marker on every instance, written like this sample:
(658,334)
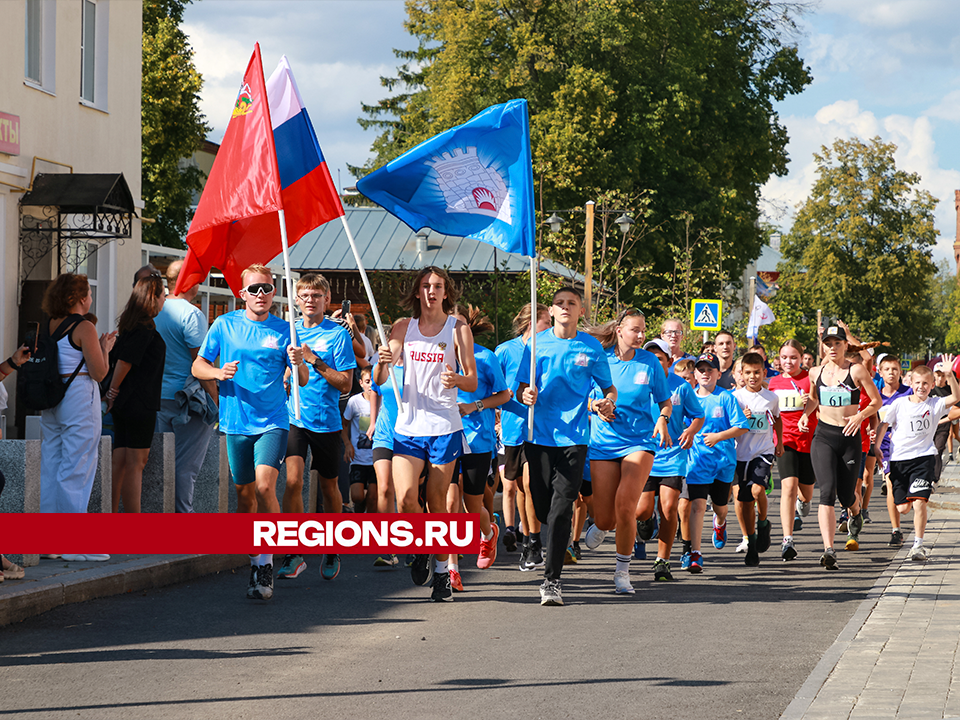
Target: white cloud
(916,152)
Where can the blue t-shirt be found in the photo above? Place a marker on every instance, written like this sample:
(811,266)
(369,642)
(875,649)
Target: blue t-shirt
(319,400)
(566,371)
(705,464)
(479,428)
(638,381)
(513,414)
(672,461)
(255,400)
(387,412)
(182,327)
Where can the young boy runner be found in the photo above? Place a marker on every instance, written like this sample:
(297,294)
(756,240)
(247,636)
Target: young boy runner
(669,465)
(568,362)
(255,351)
(710,464)
(755,455)
(328,351)
(913,422)
(358,447)
(890,390)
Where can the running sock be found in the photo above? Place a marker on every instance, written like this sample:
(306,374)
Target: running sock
(266,560)
(488,535)
(752,537)
(535,538)
(453,564)
(787,538)
(917,541)
(440,567)
(623,563)
(687,546)
(511,528)
(526,541)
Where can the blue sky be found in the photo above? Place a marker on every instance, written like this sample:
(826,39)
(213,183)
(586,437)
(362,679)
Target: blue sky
(880,68)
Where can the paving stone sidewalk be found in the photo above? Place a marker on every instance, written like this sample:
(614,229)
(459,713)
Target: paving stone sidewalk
(897,656)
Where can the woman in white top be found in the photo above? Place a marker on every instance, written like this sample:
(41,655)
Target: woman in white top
(71,430)
(432,345)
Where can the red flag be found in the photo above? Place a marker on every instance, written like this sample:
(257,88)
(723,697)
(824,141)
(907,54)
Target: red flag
(236,223)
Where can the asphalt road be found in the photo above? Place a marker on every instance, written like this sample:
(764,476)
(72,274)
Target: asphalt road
(734,642)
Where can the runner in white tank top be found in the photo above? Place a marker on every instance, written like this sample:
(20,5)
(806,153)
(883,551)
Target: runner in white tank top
(429,430)
(429,409)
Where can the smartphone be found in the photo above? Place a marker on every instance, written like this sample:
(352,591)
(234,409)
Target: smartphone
(344,308)
(33,332)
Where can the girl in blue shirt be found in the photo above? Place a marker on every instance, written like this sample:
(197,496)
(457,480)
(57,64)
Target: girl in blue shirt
(622,443)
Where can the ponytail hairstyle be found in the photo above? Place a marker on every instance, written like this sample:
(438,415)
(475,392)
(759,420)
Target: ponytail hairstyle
(476,320)
(522,322)
(606,334)
(795,344)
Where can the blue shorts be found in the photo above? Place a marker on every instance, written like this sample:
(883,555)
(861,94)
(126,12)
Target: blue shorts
(246,452)
(434,449)
(616,454)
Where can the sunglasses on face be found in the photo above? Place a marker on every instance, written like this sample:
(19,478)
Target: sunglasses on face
(258,288)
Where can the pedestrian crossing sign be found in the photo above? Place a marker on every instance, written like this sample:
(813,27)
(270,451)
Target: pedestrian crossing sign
(705,314)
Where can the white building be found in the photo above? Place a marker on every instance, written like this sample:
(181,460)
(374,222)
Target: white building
(69,155)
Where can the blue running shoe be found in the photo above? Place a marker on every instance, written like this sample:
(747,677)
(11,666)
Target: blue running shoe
(696,562)
(685,561)
(719,534)
(331,566)
(292,566)
(639,550)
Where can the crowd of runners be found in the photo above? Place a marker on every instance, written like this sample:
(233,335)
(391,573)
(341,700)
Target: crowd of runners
(630,435)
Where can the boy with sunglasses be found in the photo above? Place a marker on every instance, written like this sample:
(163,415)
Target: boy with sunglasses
(255,350)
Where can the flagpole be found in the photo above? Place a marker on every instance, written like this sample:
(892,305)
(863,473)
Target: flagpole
(533,340)
(753,300)
(295,378)
(373,306)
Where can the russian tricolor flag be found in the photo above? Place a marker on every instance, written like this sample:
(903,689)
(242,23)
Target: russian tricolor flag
(306,188)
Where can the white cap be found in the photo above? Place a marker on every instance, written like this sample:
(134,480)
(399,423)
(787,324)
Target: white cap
(660,344)
(880,358)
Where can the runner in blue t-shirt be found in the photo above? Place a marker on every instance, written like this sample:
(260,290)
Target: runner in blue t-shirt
(891,388)
(669,465)
(622,443)
(513,431)
(328,350)
(711,463)
(479,421)
(255,351)
(568,363)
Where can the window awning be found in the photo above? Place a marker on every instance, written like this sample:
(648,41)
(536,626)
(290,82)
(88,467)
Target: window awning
(81,193)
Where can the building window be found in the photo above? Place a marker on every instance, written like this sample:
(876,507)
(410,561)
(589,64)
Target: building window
(93,53)
(40,44)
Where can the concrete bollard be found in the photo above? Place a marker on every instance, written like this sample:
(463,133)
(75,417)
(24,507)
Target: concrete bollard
(158,489)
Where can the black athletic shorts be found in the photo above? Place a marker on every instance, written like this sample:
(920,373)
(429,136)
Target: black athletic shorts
(754,472)
(513,461)
(134,431)
(654,483)
(362,475)
(475,468)
(794,463)
(324,448)
(718,491)
(913,479)
(382,453)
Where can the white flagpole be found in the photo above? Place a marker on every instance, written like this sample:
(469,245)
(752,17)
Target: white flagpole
(294,378)
(373,306)
(533,341)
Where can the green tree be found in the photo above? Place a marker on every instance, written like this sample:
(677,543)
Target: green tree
(672,98)
(861,245)
(173,128)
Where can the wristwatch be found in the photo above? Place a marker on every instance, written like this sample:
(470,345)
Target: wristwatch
(480,407)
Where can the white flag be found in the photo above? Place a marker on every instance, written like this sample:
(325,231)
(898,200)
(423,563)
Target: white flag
(760,315)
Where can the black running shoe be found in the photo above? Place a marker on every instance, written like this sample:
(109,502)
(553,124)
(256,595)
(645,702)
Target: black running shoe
(525,558)
(763,536)
(442,592)
(752,558)
(264,589)
(896,539)
(252,586)
(661,571)
(829,559)
(536,555)
(420,570)
(645,529)
(576,551)
(509,541)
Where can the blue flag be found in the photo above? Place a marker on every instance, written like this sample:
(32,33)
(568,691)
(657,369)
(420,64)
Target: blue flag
(474,180)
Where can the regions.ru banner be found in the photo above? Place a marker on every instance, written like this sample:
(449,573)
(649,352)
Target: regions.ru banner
(220,533)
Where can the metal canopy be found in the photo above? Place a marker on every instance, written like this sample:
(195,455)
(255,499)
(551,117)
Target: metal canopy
(76,213)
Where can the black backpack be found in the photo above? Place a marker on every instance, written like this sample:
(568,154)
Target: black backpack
(39,384)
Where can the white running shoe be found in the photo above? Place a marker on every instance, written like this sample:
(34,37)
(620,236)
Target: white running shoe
(621,580)
(918,553)
(803,508)
(742,547)
(594,537)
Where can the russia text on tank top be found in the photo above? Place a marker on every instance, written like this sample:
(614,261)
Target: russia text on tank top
(429,409)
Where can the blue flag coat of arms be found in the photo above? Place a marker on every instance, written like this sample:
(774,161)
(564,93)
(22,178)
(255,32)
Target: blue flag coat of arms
(474,180)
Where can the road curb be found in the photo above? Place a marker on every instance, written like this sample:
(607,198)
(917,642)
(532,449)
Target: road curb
(36,597)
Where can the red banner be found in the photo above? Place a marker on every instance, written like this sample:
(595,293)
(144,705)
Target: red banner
(221,533)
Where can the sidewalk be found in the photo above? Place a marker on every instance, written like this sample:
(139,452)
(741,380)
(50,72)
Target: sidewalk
(54,582)
(896,658)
